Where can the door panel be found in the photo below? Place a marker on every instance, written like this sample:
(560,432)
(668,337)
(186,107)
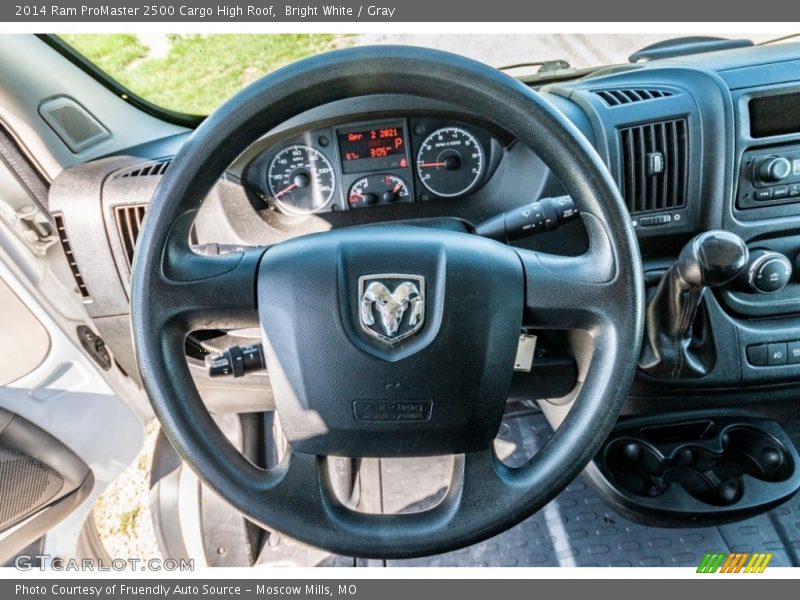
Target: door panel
(68,428)
(24,338)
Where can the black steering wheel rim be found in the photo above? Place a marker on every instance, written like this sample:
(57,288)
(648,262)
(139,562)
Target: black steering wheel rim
(175,291)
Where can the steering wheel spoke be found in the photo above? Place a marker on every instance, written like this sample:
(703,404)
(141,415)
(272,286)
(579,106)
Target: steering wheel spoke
(206,292)
(221,295)
(572,292)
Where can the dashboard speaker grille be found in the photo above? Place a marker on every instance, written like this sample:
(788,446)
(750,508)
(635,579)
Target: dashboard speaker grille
(26,485)
(618,97)
(73,264)
(76,127)
(129,223)
(655,166)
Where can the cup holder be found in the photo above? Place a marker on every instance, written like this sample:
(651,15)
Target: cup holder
(683,466)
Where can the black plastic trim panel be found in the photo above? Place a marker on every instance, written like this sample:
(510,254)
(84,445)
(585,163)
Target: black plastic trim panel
(688,459)
(697,95)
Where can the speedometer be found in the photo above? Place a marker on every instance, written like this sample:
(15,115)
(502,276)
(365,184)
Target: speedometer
(301,179)
(450,162)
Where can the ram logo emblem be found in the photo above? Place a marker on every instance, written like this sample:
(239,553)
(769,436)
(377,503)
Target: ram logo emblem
(391,306)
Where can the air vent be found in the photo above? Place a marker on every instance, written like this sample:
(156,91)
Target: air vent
(129,219)
(129,224)
(76,127)
(148,170)
(73,265)
(618,97)
(655,166)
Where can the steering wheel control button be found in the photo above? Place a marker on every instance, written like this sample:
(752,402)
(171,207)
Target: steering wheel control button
(767,272)
(758,355)
(776,354)
(236,361)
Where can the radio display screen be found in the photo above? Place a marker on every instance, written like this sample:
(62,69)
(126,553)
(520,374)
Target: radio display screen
(775,115)
(373,149)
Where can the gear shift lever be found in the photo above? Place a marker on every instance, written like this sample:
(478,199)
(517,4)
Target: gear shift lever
(671,348)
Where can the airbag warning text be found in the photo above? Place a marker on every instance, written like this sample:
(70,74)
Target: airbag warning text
(385,410)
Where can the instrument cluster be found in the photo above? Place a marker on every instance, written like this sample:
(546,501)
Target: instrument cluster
(374,163)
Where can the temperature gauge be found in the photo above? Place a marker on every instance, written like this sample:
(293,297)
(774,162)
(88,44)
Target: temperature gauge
(378,189)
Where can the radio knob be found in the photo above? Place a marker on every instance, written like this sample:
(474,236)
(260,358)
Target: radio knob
(774,168)
(768,272)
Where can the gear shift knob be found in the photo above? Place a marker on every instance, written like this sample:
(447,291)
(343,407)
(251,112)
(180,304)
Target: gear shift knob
(712,258)
(673,346)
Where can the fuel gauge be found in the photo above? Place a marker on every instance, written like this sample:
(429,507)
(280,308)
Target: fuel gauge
(378,189)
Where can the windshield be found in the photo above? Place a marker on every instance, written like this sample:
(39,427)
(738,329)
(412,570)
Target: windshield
(194,74)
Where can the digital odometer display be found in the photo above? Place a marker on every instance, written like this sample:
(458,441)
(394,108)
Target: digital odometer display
(373,149)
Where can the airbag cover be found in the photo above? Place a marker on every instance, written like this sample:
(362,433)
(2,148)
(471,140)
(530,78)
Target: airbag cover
(390,340)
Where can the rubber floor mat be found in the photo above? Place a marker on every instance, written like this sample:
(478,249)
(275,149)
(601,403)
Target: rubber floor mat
(579,529)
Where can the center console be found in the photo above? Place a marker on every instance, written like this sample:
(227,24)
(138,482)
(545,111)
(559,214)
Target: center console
(707,430)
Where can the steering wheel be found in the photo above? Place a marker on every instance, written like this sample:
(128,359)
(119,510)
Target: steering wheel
(340,389)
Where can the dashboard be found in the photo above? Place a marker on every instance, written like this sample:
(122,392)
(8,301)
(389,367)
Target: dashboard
(695,143)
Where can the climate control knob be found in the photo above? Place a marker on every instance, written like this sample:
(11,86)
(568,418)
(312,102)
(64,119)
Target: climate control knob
(767,272)
(774,168)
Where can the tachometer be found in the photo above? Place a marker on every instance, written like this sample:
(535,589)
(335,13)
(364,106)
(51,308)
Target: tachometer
(301,179)
(450,162)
